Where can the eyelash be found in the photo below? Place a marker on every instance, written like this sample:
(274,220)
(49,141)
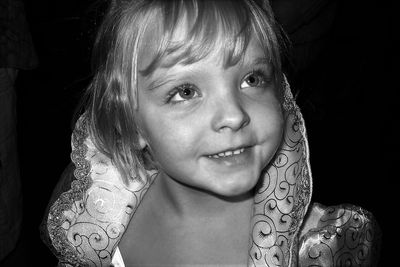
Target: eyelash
(261,74)
(176,91)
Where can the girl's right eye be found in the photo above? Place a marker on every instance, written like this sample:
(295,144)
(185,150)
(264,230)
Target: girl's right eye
(182,93)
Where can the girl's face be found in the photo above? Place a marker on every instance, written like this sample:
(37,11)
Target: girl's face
(210,127)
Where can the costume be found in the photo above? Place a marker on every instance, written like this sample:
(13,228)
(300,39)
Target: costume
(86,222)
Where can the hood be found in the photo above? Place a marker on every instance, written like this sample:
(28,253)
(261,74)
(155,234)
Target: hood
(87,221)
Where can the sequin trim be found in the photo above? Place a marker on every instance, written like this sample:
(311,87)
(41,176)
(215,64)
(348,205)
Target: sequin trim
(56,219)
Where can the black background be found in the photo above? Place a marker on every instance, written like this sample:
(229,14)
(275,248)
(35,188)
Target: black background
(346,93)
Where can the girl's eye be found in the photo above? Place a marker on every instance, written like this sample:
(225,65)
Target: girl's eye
(254,79)
(183,93)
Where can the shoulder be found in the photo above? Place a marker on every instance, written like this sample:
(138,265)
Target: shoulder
(342,235)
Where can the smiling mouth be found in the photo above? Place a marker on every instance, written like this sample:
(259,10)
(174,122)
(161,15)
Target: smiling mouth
(228,153)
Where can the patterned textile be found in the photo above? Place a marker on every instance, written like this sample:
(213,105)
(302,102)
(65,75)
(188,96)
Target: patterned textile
(344,235)
(92,207)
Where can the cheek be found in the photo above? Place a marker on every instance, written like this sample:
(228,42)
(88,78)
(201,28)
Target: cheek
(268,119)
(170,138)
(269,134)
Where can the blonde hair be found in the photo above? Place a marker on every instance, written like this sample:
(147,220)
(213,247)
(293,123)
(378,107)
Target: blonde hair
(112,94)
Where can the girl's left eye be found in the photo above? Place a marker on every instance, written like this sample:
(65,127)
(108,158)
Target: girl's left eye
(254,79)
(183,93)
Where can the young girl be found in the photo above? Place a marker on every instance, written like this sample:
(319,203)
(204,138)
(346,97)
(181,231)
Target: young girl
(192,151)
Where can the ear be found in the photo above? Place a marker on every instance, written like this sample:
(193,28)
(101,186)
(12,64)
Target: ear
(142,141)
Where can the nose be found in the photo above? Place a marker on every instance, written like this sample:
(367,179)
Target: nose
(230,114)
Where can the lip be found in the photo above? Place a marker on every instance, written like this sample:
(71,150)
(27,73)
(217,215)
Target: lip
(235,160)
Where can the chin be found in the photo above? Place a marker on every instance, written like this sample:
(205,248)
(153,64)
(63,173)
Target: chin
(236,188)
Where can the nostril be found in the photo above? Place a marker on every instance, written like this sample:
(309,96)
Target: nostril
(232,117)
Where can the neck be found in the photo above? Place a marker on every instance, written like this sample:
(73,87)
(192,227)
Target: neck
(190,202)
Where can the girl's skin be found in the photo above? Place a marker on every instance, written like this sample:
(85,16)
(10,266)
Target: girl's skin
(199,208)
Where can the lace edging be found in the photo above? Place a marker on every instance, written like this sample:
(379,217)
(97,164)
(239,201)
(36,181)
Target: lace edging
(56,218)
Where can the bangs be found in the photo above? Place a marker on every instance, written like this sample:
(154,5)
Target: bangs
(209,26)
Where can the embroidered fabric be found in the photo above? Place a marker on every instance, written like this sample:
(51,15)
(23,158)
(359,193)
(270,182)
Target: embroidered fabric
(86,222)
(343,235)
(283,198)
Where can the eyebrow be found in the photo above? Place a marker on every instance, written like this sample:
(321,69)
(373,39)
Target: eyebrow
(160,81)
(265,61)
(261,60)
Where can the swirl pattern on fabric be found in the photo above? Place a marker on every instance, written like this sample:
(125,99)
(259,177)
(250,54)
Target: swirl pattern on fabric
(343,235)
(283,195)
(86,223)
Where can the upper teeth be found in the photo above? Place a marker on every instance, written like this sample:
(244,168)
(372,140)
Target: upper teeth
(227,153)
